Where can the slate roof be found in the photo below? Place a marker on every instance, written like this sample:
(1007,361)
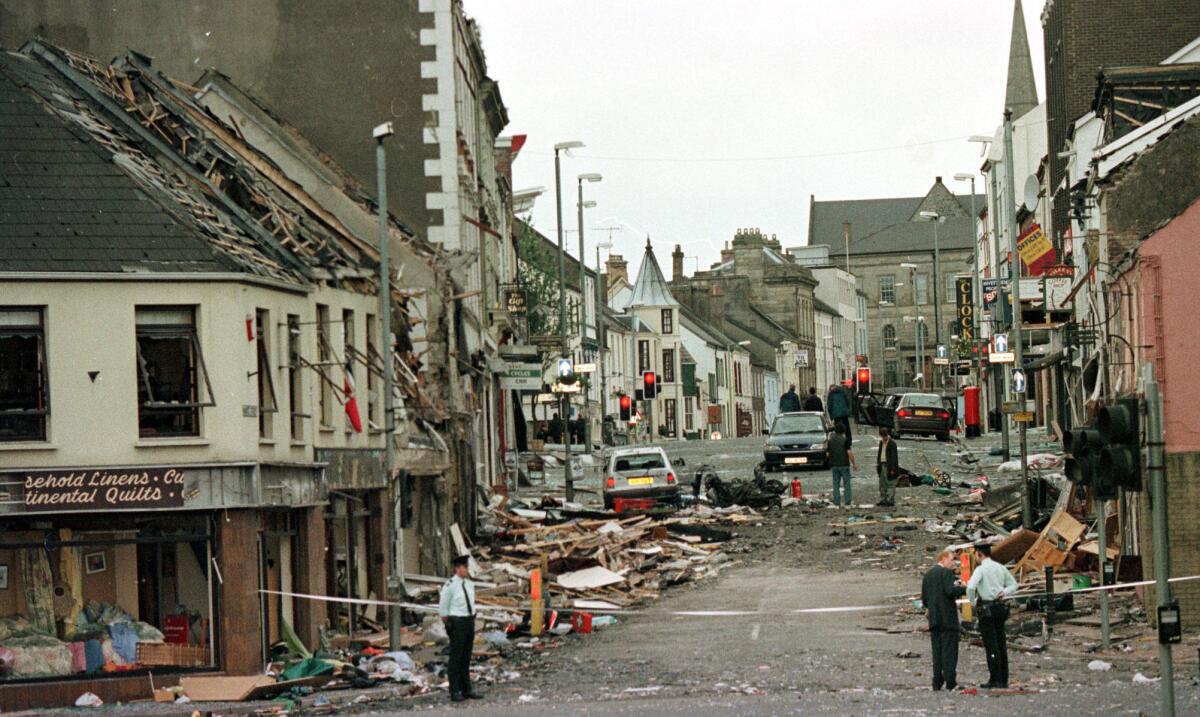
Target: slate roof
(65,206)
(883,226)
(651,288)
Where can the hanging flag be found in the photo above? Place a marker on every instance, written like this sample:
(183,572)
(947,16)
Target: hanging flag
(351,400)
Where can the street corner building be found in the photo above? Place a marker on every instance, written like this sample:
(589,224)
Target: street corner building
(191,410)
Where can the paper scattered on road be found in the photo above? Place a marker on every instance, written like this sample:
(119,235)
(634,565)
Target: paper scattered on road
(1099,666)
(589,578)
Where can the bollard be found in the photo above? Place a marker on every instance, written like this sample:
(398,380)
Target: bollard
(965,574)
(535,602)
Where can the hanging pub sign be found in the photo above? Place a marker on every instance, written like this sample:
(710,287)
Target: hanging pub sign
(100,489)
(1035,249)
(514,299)
(965,303)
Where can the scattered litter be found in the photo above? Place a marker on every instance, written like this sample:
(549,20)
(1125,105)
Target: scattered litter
(1100,666)
(1140,679)
(88,699)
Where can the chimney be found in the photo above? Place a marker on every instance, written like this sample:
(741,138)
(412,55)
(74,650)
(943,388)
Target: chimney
(617,269)
(726,254)
(677,264)
(937,180)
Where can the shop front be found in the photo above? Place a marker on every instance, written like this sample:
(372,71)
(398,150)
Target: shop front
(113,577)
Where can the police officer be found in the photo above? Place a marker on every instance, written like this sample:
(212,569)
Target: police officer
(457,610)
(989,585)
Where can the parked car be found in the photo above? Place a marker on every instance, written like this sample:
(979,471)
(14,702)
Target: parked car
(922,414)
(797,440)
(640,473)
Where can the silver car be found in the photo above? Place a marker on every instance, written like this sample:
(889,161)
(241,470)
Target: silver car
(640,473)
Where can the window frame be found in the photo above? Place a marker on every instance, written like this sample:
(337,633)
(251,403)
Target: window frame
(262,325)
(189,331)
(920,289)
(324,359)
(887,288)
(295,369)
(42,414)
(667,321)
(889,342)
(668,366)
(645,361)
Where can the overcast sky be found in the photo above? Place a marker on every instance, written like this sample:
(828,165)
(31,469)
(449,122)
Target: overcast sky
(709,115)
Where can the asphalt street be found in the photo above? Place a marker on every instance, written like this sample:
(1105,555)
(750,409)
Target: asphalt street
(781,662)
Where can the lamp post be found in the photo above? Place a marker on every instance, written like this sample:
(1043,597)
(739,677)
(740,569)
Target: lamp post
(395,580)
(937,276)
(564,404)
(1014,277)
(587,410)
(601,335)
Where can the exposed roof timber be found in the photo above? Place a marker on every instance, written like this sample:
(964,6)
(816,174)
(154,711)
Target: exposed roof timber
(44,53)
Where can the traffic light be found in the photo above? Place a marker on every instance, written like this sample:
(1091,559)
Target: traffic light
(863,376)
(1083,446)
(649,385)
(626,405)
(1121,456)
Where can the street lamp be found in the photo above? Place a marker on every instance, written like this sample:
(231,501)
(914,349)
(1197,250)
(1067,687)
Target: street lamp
(937,275)
(601,336)
(587,410)
(563,403)
(395,579)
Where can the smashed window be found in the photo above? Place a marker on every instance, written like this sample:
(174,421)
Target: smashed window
(173,382)
(24,387)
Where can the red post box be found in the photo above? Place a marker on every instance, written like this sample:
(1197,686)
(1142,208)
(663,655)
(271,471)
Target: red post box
(971,395)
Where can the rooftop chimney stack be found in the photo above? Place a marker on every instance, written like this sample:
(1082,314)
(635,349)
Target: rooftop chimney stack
(677,264)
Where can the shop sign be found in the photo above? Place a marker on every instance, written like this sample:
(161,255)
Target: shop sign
(1036,250)
(965,304)
(514,300)
(521,377)
(103,489)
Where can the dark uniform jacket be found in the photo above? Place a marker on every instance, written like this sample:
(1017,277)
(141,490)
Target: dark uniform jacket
(938,593)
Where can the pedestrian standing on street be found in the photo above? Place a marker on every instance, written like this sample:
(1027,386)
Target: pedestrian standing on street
(813,402)
(789,402)
(989,585)
(838,403)
(940,588)
(887,464)
(841,462)
(457,610)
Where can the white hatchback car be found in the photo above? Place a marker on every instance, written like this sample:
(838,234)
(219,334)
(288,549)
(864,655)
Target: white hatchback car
(640,473)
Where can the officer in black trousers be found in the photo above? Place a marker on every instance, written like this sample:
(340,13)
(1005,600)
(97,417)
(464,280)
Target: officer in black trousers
(457,610)
(939,590)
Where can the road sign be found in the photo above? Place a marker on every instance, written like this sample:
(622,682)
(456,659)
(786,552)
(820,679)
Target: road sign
(565,388)
(1000,352)
(1023,417)
(1016,406)
(565,367)
(585,368)
(941,351)
(941,362)
(1018,381)
(546,398)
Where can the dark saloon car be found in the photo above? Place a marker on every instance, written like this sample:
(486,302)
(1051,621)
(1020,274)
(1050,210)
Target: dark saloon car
(922,414)
(797,440)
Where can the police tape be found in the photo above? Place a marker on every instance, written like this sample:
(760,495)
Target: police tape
(481,607)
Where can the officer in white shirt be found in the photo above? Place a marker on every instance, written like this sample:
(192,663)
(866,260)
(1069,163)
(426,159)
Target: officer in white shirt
(989,585)
(457,610)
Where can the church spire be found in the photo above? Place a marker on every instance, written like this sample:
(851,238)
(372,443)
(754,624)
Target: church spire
(1020,92)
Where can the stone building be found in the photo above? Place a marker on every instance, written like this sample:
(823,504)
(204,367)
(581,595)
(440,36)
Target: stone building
(756,294)
(891,249)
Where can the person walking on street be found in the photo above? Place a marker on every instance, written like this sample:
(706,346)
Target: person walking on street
(813,402)
(989,585)
(789,402)
(838,403)
(457,610)
(887,464)
(939,589)
(841,461)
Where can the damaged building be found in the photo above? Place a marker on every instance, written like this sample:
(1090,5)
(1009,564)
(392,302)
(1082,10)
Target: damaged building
(192,399)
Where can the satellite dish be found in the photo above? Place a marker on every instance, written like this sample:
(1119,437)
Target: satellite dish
(1030,196)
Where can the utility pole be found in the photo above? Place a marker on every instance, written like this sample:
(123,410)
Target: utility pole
(395,581)
(1156,463)
(937,288)
(846,239)
(1017,341)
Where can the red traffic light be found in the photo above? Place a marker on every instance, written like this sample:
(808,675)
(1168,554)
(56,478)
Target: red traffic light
(648,378)
(625,403)
(864,375)
(649,386)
